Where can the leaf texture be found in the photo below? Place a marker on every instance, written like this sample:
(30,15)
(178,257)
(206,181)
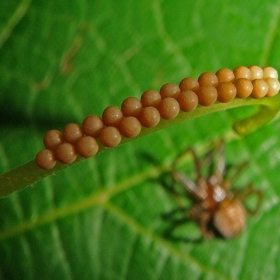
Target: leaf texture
(101,219)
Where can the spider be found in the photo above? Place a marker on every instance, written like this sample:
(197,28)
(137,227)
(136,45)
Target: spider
(217,210)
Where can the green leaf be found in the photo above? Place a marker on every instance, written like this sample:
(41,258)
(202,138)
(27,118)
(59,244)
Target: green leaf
(101,218)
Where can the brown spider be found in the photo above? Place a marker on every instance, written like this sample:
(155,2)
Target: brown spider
(218,210)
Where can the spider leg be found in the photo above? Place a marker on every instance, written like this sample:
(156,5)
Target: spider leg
(202,217)
(233,174)
(173,218)
(220,160)
(182,179)
(248,191)
(217,148)
(195,157)
(176,222)
(218,168)
(197,190)
(168,186)
(205,230)
(180,210)
(237,171)
(188,184)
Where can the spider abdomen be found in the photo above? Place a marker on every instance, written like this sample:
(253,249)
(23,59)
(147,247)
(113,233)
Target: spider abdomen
(230,218)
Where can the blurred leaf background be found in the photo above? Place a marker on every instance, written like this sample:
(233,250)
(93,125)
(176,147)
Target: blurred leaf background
(100,219)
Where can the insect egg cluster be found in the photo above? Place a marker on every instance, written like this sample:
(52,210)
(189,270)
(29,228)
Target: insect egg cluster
(128,120)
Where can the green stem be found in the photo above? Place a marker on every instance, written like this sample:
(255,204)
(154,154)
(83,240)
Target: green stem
(269,110)
(29,173)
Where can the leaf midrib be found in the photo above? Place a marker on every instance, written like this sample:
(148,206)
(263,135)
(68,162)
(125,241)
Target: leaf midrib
(97,199)
(14,20)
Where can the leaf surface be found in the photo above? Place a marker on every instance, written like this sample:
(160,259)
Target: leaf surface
(101,219)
